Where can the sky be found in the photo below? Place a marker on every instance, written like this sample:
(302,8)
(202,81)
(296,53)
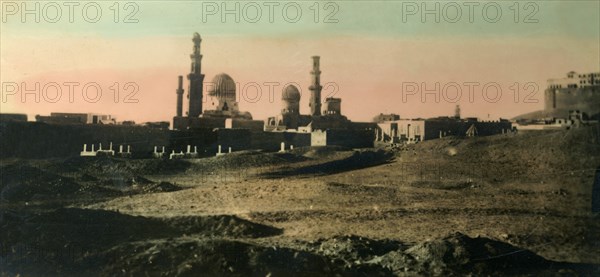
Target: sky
(493,58)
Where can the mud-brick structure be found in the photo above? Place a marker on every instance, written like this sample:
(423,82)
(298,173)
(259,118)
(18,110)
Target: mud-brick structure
(415,130)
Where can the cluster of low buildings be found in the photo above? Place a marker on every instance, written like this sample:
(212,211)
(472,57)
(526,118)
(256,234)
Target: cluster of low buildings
(63,118)
(76,118)
(416,130)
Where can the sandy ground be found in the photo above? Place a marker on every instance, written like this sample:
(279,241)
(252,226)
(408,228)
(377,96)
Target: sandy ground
(393,202)
(531,190)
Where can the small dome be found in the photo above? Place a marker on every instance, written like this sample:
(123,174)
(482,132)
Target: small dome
(222,86)
(290,93)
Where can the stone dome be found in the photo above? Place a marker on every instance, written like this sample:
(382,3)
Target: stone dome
(222,86)
(290,93)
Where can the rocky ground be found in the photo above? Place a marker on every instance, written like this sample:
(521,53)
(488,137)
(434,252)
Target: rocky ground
(502,205)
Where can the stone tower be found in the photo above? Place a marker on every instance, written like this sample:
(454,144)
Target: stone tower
(457,112)
(315,88)
(179,92)
(196,79)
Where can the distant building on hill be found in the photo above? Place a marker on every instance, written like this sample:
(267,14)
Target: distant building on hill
(576,92)
(568,102)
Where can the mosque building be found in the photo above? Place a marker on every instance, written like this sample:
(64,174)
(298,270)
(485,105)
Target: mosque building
(222,109)
(330,117)
(324,125)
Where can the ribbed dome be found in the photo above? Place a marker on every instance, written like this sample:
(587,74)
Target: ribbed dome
(290,93)
(222,86)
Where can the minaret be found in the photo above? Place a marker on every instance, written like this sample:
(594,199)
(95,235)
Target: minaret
(196,79)
(315,88)
(179,92)
(457,112)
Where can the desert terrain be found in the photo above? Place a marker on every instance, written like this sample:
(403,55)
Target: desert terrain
(517,204)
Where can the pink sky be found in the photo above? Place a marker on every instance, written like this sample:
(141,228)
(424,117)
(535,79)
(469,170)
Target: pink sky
(369,71)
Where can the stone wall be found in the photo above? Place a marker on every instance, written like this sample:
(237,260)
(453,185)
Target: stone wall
(203,138)
(6,117)
(271,141)
(237,139)
(347,138)
(246,139)
(233,123)
(360,138)
(184,122)
(41,140)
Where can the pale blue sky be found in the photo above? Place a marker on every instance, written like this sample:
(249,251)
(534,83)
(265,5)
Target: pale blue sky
(576,19)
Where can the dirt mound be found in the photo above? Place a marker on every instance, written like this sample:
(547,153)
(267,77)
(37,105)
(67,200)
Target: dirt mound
(137,184)
(454,255)
(459,254)
(26,182)
(243,160)
(20,182)
(71,224)
(221,225)
(74,242)
(70,240)
(161,187)
(109,243)
(218,258)
(481,255)
(348,160)
(104,167)
(351,250)
(528,157)
(319,152)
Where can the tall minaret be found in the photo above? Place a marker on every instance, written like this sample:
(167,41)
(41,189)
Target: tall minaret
(315,88)
(196,79)
(179,92)
(457,112)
